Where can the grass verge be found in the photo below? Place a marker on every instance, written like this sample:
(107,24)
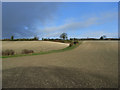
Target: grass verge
(41,53)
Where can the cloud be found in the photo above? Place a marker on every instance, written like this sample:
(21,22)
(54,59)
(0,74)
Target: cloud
(25,19)
(72,25)
(108,17)
(99,33)
(56,34)
(17,16)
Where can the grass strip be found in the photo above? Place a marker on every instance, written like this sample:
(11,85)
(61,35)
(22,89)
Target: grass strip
(41,53)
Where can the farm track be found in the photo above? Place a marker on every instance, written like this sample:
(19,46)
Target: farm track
(91,65)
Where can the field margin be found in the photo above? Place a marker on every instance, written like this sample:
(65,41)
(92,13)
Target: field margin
(47,52)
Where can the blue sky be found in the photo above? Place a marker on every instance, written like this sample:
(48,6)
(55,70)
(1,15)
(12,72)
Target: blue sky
(49,20)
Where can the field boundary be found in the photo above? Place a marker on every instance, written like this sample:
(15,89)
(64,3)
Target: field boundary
(47,52)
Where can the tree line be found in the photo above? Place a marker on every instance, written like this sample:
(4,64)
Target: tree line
(21,39)
(63,38)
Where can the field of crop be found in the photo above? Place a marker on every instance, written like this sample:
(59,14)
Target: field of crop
(93,64)
(36,46)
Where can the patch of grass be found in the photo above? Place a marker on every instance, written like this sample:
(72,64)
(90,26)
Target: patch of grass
(47,52)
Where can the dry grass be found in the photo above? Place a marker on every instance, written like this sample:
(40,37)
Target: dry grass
(37,46)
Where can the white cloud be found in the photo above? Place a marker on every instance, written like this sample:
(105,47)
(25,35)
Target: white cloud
(89,22)
(56,34)
(72,25)
(99,33)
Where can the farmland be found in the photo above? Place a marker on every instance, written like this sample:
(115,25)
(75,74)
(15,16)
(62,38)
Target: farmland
(36,46)
(94,64)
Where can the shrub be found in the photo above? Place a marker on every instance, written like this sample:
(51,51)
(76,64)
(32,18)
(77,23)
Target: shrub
(25,51)
(76,42)
(71,44)
(8,52)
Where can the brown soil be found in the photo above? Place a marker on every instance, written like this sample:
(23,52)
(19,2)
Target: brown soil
(91,65)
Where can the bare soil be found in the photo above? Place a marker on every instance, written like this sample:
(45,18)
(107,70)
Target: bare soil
(94,64)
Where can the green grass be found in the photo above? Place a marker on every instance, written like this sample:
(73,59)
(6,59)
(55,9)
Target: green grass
(41,53)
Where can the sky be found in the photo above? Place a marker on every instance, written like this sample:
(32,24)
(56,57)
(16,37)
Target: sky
(51,19)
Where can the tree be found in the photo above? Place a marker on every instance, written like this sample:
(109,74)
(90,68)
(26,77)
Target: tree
(35,38)
(63,36)
(102,37)
(42,39)
(71,39)
(12,37)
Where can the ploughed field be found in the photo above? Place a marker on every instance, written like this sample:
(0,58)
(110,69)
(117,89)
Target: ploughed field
(36,46)
(94,64)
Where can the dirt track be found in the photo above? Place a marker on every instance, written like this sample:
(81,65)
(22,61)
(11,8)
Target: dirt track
(91,65)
